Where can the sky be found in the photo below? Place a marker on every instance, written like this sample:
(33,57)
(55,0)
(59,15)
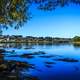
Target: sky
(61,22)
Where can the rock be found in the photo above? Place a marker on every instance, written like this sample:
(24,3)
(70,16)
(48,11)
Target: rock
(68,60)
(1,56)
(29,56)
(2,51)
(39,53)
(3,67)
(50,63)
(12,77)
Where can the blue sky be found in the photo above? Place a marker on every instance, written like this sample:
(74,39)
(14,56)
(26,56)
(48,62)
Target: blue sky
(61,22)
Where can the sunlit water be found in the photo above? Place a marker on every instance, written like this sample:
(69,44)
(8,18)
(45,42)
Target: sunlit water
(50,65)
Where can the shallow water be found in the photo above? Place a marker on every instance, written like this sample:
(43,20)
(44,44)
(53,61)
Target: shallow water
(51,62)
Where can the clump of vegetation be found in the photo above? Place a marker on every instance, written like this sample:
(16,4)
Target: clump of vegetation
(13,12)
(76,39)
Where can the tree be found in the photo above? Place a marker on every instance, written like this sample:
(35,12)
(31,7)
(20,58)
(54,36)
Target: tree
(52,4)
(13,12)
(76,39)
(16,12)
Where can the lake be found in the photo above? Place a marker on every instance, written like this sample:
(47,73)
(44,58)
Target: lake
(47,62)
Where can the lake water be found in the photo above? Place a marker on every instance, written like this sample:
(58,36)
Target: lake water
(50,62)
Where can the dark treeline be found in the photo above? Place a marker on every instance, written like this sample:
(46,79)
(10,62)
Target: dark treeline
(31,39)
(39,40)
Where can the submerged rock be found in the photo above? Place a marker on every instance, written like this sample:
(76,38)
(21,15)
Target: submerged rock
(39,52)
(48,66)
(2,50)
(68,60)
(47,56)
(12,77)
(3,67)
(49,62)
(27,56)
(1,56)
(24,65)
(28,48)
(31,78)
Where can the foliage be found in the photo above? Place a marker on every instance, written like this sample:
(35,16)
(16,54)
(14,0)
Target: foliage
(16,12)
(76,38)
(13,12)
(52,4)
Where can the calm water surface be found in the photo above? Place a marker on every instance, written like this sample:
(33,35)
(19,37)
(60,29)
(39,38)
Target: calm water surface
(51,62)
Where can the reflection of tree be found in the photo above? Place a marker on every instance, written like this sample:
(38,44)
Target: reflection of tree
(12,70)
(17,45)
(76,46)
(11,45)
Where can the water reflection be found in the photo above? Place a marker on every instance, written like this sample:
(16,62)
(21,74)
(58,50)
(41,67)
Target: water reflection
(26,45)
(14,45)
(40,62)
(76,46)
